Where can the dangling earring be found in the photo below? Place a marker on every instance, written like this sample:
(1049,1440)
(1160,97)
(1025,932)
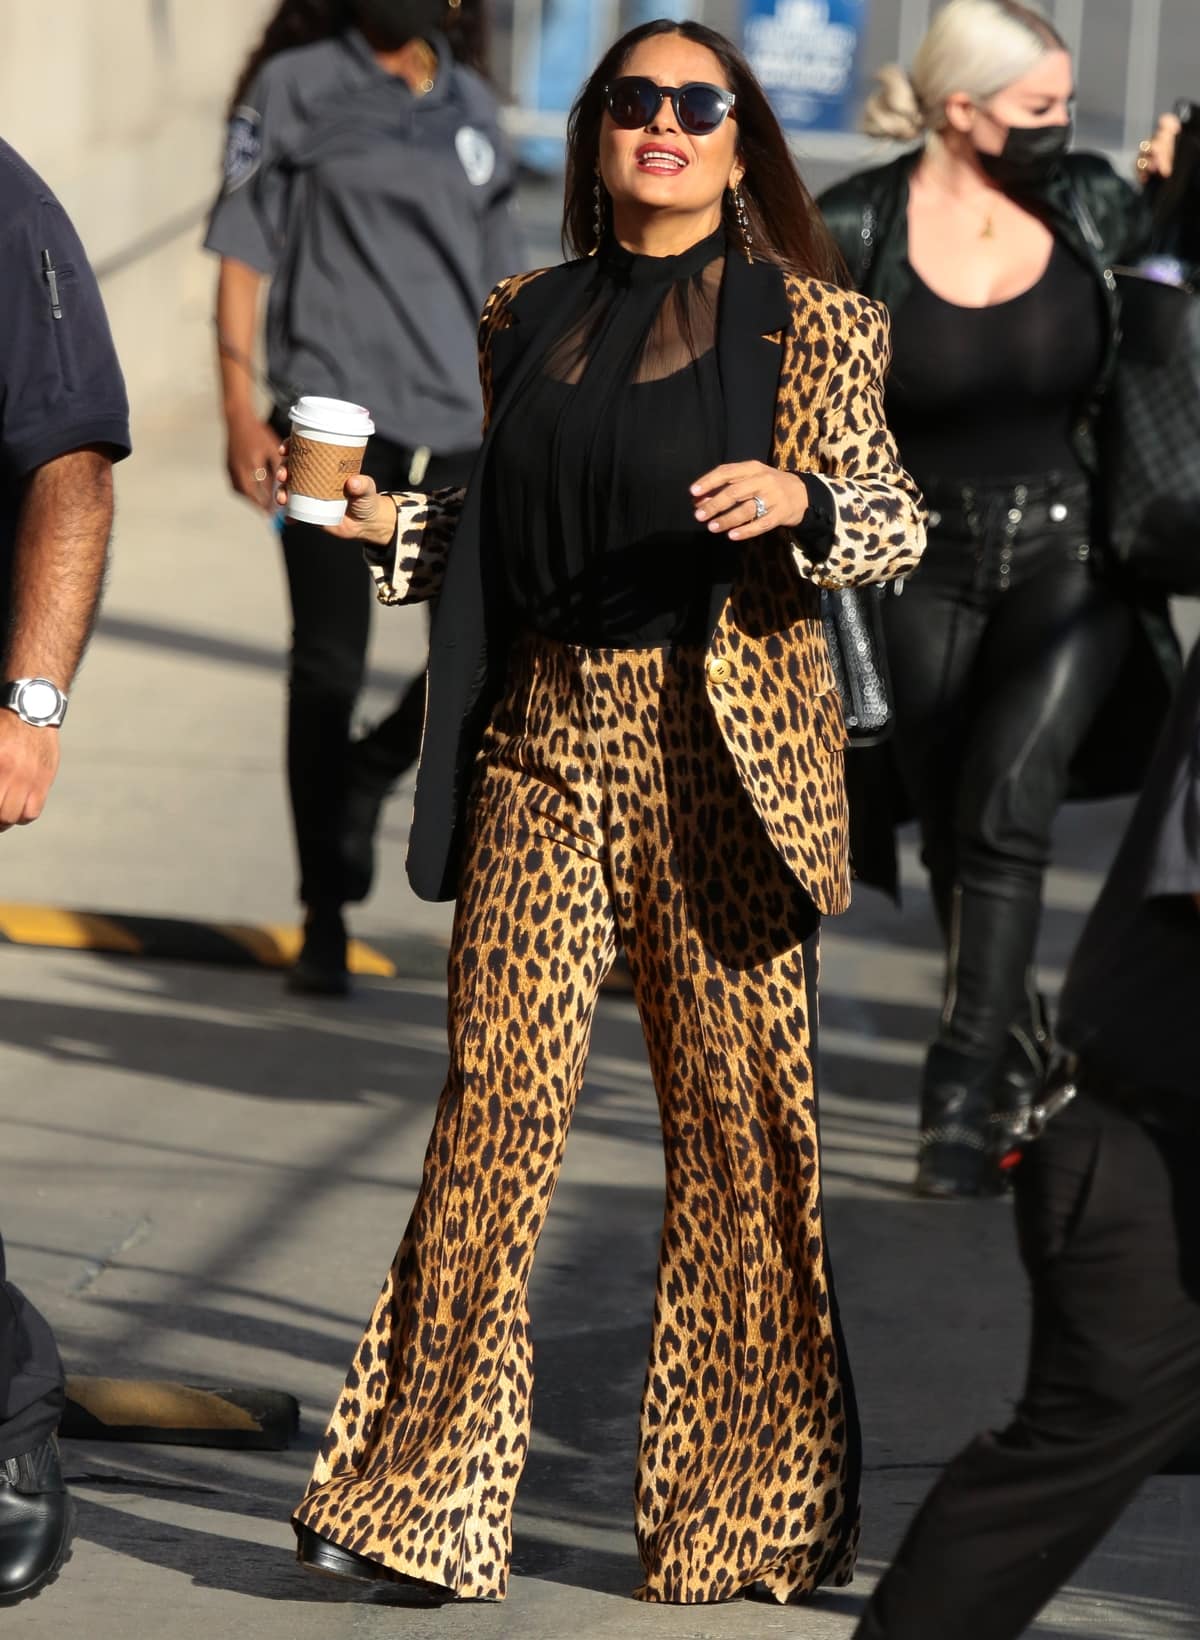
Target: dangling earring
(598,210)
(743,221)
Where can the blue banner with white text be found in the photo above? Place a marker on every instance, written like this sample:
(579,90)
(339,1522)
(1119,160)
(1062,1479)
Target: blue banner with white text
(805,52)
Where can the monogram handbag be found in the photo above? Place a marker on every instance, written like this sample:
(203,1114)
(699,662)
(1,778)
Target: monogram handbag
(853,622)
(1149,431)
(1150,436)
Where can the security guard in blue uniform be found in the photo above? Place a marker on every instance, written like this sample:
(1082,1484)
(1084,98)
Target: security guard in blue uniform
(64,420)
(368,179)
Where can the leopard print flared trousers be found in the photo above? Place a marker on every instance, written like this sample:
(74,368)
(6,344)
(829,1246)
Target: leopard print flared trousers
(607,811)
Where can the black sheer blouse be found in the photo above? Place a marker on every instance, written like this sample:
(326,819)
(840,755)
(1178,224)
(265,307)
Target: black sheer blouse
(591,466)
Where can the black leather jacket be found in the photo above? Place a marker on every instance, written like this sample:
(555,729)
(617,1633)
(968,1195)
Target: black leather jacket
(868,216)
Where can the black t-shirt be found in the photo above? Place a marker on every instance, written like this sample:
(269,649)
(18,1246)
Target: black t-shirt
(61,387)
(995,392)
(1131,1002)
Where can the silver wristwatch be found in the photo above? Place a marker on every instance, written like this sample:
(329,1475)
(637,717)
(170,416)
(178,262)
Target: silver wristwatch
(36,701)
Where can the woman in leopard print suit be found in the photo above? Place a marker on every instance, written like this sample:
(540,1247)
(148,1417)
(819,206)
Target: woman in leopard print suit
(633,739)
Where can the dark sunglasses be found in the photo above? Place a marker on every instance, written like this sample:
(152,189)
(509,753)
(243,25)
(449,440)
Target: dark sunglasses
(634,101)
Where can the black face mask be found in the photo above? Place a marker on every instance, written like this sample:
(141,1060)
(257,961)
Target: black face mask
(391,24)
(1029,154)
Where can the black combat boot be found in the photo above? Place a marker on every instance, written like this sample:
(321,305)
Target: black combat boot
(36,1516)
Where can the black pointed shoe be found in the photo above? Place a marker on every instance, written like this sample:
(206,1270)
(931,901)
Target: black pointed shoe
(36,1517)
(319,1554)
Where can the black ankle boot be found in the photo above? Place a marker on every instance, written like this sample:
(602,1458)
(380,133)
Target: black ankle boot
(958,1155)
(36,1515)
(1028,1051)
(320,969)
(968,1079)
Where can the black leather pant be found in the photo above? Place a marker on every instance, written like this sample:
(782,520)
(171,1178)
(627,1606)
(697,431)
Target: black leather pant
(332,597)
(1002,647)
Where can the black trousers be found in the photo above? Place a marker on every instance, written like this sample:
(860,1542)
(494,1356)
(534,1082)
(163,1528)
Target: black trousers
(31,1374)
(1002,648)
(1109,1222)
(331,597)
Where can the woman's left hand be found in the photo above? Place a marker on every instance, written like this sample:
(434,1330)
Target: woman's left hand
(726,497)
(1156,156)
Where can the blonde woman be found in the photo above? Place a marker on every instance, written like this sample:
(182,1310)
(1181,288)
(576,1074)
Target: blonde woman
(1013,654)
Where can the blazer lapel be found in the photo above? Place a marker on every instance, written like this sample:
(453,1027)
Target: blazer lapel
(754,306)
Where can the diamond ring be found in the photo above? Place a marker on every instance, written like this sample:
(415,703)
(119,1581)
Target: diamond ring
(760,507)
(260,475)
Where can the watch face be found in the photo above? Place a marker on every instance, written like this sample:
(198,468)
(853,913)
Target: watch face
(39,700)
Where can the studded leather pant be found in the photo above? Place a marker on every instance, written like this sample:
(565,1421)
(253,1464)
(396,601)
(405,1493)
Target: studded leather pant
(1002,647)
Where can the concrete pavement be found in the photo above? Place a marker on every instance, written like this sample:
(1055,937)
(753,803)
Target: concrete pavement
(202,1177)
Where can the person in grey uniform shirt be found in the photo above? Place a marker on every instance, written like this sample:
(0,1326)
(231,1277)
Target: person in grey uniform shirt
(367,179)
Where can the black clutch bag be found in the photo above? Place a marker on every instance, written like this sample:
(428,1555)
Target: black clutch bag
(853,622)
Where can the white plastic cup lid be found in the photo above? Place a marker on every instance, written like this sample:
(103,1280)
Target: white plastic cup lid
(317,415)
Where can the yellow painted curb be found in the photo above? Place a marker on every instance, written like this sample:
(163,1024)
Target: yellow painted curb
(66,930)
(277,945)
(172,938)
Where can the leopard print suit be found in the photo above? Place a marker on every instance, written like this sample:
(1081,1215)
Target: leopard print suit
(686,805)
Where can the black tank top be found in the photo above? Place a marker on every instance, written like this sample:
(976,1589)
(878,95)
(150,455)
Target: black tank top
(994,392)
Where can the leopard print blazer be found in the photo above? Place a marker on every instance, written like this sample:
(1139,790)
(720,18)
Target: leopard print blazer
(768,674)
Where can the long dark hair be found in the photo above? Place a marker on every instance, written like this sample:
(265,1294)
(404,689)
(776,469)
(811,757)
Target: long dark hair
(786,226)
(304,22)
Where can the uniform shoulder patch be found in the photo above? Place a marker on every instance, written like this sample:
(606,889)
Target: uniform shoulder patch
(243,147)
(477,154)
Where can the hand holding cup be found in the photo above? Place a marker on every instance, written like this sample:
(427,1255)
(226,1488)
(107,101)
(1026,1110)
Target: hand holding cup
(321,482)
(369,516)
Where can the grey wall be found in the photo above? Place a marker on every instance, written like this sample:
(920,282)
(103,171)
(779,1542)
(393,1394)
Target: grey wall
(118,104)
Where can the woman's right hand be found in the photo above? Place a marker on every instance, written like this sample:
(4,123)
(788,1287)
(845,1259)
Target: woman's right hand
(251,454)
(370,517)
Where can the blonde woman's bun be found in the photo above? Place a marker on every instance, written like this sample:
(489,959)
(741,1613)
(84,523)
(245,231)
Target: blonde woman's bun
(892,110)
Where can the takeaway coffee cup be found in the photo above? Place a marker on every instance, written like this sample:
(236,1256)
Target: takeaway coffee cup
(326,448)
